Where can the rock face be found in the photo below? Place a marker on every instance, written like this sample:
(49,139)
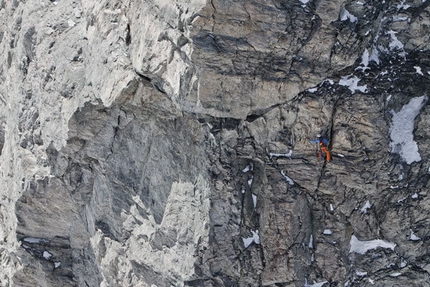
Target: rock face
(160,143)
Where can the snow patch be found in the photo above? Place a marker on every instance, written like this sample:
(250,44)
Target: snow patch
(289,154)
(311,242)
(345,15)
(361,247)
(254,200)
(249,167)
(395,274)
(250,182)
(395,43)
(327,232)
(312,90)
(254,238)
(403,6)
(401,130)
(414,196)
(413,237)
(352,83)
(34,240)
(319,284)
(361,273)
(47,255)
(364,61)
(331,207)
(57,264)
(289,180)
(418,70)
(365,207)
(71,23)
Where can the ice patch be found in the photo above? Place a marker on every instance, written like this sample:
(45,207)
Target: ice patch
(254,238)
(365,207)
(352,83)
(401,130)
(361,247)
(418,70)
(289,180)
(345,15)
(413,237)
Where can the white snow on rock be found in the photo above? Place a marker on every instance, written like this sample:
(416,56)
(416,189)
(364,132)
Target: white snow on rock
(57,264)
(352,83)
(362,247)
(250,181)
(395,44)
(289,154)
(361,273)
(289,180)
(47,255)
(254,200)
(319,284)
(402,5)
(311,242)
(345,15)
(34,240)
(395,274)
(312,90)
(418,70)
(249,167)
(413,237)
(365,207)
(254,238)
(327,232)
(401,130)
(414,196)
(364,61)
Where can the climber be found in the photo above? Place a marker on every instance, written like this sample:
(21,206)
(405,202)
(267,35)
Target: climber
(323,143)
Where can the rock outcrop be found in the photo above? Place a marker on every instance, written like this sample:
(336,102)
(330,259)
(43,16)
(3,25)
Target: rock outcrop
(160,143)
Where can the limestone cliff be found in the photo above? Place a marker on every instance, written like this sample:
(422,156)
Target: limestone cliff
(167,143)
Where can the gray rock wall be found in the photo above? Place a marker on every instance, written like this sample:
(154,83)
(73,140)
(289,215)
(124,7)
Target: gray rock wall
(162,143)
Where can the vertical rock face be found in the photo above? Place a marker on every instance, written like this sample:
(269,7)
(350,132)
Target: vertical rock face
(160,143)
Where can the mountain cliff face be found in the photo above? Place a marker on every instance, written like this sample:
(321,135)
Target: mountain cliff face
(167,143)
